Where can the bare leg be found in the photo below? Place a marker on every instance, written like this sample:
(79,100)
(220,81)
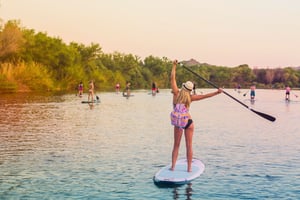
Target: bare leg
(189,145)
(177,137)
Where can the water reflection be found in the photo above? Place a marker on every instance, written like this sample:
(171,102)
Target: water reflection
(91,105)
(188,192)
(287,103)
(178,191)
(22,120)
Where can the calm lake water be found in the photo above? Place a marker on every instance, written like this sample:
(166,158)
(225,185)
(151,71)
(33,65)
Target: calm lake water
(54,147)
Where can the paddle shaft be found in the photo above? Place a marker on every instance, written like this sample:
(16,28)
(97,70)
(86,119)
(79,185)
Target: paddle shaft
(268,117)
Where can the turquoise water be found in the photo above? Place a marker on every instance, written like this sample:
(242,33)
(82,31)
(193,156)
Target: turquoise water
(54,147)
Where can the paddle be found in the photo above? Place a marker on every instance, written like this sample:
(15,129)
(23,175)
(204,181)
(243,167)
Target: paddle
(295,95)
(97,98)
(266,116)
(245,93)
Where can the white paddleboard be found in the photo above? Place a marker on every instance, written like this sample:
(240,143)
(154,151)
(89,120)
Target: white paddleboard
(95,101)
(125,95)
(180,174)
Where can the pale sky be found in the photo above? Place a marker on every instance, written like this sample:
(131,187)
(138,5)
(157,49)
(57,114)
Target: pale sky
(260,33)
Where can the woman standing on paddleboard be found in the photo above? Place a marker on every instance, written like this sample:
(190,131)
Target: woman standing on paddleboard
(252,91)
(91,91)
(80,89)
(287,92)
(181,118)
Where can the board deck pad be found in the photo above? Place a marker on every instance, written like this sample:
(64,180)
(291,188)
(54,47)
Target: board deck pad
(180,174)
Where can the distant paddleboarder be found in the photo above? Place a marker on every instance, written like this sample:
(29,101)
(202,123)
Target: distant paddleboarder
(117,87)
(252,92)
(154,88)
(194,88)
(287,92)
(239,88)
(80,89)
(126,92)
(91,91)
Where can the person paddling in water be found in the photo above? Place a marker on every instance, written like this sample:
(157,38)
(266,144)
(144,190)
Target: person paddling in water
(91,91)
(153,88)
(287,92)
(127,89)
(181,118)
(117,87)
(252,92)
(80,89)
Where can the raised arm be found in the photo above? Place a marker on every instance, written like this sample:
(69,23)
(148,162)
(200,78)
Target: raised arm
(204,96)
(173,79)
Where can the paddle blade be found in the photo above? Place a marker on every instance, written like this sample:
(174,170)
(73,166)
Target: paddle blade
(266,116)
(245,93)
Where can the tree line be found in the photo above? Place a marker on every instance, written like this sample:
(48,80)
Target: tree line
(34,61)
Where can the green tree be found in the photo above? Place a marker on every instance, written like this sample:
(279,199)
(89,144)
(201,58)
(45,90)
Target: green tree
(290,77)
(243,75)
(157,70)
(11,40)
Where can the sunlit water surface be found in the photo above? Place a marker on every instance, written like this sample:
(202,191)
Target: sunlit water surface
(54,147)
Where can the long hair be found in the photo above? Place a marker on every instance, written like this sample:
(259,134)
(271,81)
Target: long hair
(184,97)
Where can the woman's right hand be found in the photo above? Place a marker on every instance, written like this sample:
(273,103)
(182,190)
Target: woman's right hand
(220,90)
